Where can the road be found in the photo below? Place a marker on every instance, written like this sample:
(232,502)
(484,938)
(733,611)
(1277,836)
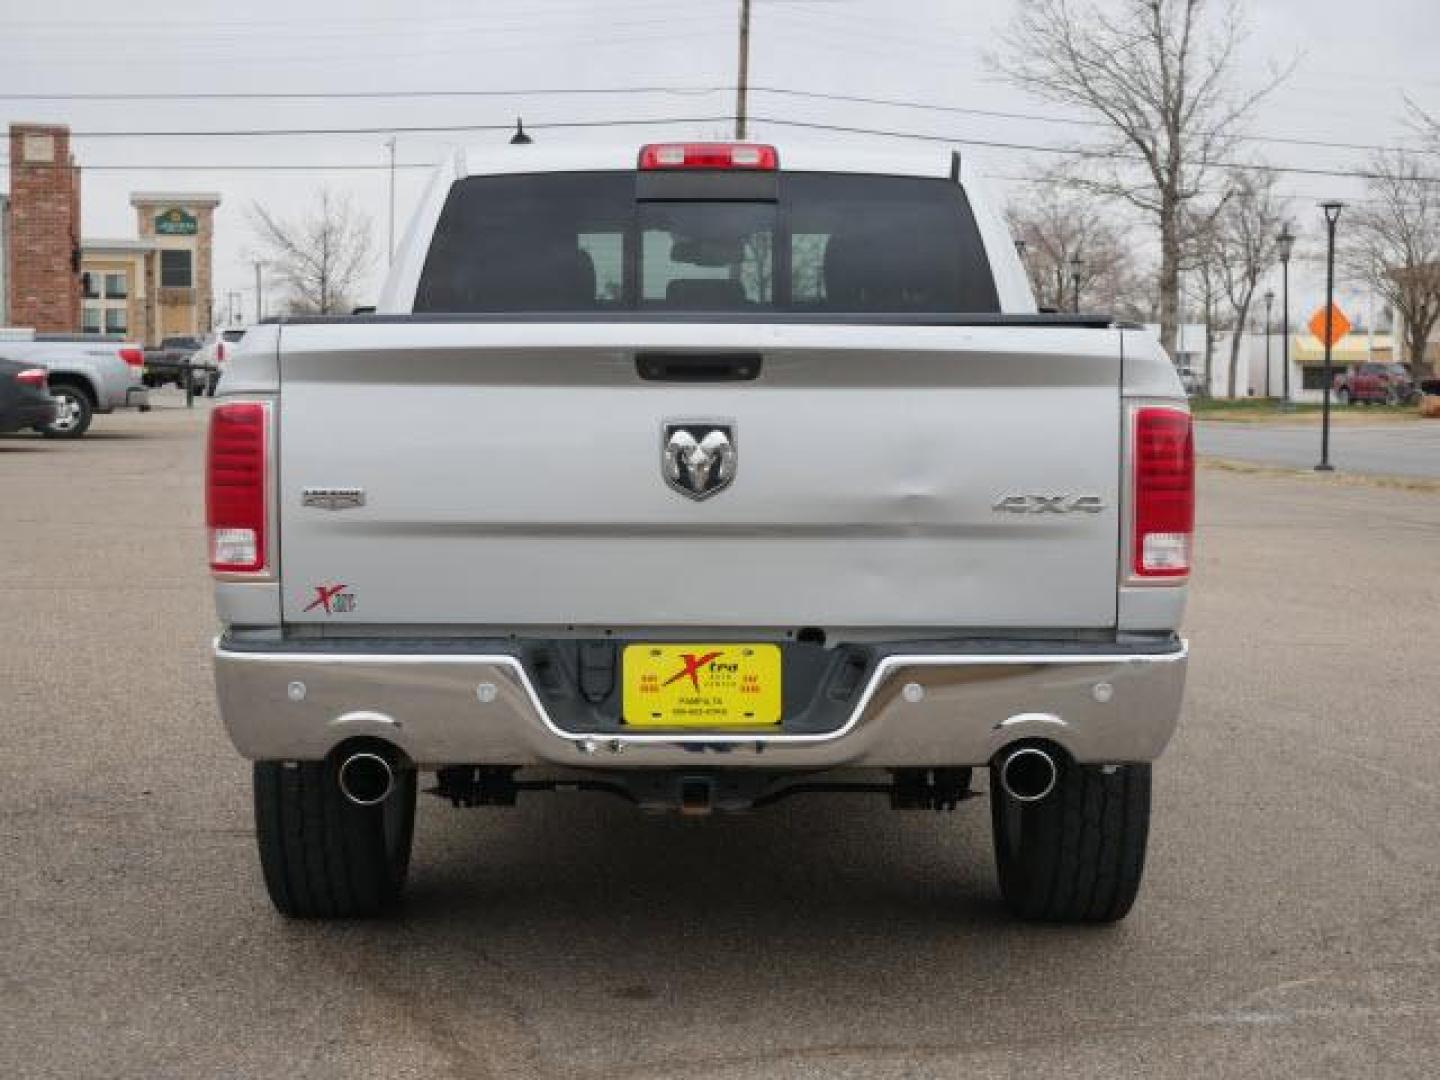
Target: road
(1391,449)
(1287,926)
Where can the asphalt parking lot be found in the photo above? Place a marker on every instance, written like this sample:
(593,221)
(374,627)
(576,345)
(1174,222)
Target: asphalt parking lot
(1384,449)
(1287,927)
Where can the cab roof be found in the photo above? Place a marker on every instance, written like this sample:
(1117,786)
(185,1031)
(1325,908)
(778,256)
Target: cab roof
(794,157)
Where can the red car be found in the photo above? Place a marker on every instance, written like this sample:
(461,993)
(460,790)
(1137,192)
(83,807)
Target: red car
(1388,384)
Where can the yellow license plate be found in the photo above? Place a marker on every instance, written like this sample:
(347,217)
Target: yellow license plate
(701,686)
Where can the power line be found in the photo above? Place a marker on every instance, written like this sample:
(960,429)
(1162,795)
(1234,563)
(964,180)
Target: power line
(682,91)
(249,167)
(528,40)
(952,140)
(438,129)
(1060,181)
(1069,151)
(385,129)
(1071,120)
(269,25)
(316,95)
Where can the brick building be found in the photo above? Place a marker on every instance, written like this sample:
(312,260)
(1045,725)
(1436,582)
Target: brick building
(4,260)
(159,285)
(42,226)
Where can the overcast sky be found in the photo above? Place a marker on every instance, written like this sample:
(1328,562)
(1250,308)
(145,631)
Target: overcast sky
(1356,65)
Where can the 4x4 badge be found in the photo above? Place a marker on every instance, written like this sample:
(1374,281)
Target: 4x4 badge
(698,457)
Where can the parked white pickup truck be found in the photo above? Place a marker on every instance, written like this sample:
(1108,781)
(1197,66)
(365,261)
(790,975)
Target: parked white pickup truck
(703,476)
(87,375)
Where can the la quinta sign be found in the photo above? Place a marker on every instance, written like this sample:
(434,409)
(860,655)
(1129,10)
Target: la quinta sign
(176,222)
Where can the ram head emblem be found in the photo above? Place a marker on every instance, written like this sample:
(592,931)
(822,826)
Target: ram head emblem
(698,457)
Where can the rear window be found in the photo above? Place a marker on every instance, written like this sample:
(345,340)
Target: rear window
(828,242)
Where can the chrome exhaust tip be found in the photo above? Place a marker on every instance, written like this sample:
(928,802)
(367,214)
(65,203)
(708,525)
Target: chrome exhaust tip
(366,778)
(1029,774)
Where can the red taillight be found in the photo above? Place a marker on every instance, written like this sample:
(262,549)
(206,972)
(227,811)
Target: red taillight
(35,377)
(754,156)
(133,357)
(220,352)
(1164,469)
(235,487)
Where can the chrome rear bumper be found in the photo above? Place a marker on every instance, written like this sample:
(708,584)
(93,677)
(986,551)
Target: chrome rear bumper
(916,710)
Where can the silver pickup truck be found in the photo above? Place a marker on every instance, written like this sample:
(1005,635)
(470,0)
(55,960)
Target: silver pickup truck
(88,375)
(702,476)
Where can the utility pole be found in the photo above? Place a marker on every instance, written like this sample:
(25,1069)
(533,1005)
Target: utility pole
(742,83)
(390,247)
(259,294)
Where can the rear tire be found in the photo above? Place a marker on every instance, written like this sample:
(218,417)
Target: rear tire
(73,413)
(1078,855)
(323,856)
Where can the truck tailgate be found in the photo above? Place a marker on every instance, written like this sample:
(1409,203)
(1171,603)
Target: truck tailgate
(512,476)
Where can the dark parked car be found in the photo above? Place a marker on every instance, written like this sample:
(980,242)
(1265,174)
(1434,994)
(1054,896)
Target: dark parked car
(25,400)
(1389,384)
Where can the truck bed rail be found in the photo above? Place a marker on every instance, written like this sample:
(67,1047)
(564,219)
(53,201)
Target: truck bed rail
(756,318)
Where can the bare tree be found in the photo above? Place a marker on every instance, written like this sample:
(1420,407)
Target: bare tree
(1157,74)
(1393,244)
(1206,286)
(1068,235)
(1245,233)
(318,258)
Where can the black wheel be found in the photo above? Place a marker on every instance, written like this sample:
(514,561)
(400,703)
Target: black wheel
(1078,854)
(73,413)
(323,856)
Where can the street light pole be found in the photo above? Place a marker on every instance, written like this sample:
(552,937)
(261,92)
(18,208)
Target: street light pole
(1269,300)
(1076,265)
(259,294)
(1286,242)
(1332,215)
